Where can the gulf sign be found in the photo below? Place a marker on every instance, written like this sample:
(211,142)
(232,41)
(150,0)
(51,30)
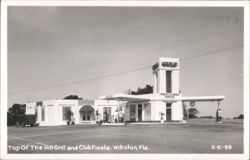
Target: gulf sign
(167,65)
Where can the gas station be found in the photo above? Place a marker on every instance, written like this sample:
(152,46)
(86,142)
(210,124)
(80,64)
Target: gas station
(166,103)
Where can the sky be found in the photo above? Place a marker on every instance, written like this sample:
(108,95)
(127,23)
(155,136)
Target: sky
(54,52)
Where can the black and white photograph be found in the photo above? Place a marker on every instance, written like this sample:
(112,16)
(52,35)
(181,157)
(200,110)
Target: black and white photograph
(144,80)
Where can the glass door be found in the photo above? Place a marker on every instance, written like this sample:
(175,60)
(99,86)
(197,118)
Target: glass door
(168,112)
(132,112)
(139,112)
(107,114)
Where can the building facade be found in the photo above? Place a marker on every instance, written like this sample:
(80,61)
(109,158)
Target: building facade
(165,104)
(165,101)
(61,111)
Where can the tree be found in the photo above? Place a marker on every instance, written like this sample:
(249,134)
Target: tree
(192,112)
(73,97)
(14,112)
(146,90)
(241,116)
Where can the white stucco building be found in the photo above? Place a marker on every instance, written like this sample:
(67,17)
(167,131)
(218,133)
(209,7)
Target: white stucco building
(60,111)
(166,101)
(165,104)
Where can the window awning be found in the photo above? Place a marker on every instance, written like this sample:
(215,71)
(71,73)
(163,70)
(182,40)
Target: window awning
(87,108)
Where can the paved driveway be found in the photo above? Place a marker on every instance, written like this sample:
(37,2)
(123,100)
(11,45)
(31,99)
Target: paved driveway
(197,136)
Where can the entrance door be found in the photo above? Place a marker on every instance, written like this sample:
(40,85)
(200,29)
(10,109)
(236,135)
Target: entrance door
(86,116)
(132,112)
(168,112)
(107,114)
(86,113)
(139,112)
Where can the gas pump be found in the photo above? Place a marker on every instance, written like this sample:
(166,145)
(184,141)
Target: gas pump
(218,114)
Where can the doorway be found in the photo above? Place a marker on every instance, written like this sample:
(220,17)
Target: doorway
(107,114)
(139,112)
(86,116)
(132,112)
(168,112)
(87,113)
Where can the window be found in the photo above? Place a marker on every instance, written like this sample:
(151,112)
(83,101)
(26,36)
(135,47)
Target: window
(39,103)
(139,111)
(168,105)
(66,113)
(86,116)
(43,114)
(132,112)
(147,110)
(107,114)
(168,81)
(36,113)
(156,82)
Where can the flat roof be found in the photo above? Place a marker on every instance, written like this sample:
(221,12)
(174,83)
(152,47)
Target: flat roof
(126,97)
(203,98)
(147,97)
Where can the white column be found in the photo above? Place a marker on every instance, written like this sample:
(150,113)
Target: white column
(162,81)
(155,82)
(175,82)
(39,113)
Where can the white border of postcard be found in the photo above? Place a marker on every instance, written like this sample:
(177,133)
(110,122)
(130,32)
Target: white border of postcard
(3,111)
